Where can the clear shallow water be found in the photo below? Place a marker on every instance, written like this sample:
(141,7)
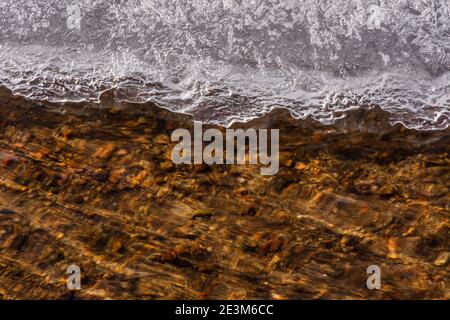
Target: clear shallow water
(224,61)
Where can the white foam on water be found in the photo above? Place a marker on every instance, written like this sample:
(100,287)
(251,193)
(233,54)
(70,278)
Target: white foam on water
(227,60)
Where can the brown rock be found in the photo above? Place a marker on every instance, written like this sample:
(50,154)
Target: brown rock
(105,151)
(300,166)
(122,152)
(202,213)
(442,259)
(162,139)
(166,165)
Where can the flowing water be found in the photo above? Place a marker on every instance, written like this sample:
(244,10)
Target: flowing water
(231,60)
(93,184)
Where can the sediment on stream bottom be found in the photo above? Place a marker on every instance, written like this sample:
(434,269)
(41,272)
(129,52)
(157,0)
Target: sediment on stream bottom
(94,185)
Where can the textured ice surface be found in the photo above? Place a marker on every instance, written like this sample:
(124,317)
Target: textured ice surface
(228,60)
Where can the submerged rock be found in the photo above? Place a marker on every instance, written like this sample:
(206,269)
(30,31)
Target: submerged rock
(442,259)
